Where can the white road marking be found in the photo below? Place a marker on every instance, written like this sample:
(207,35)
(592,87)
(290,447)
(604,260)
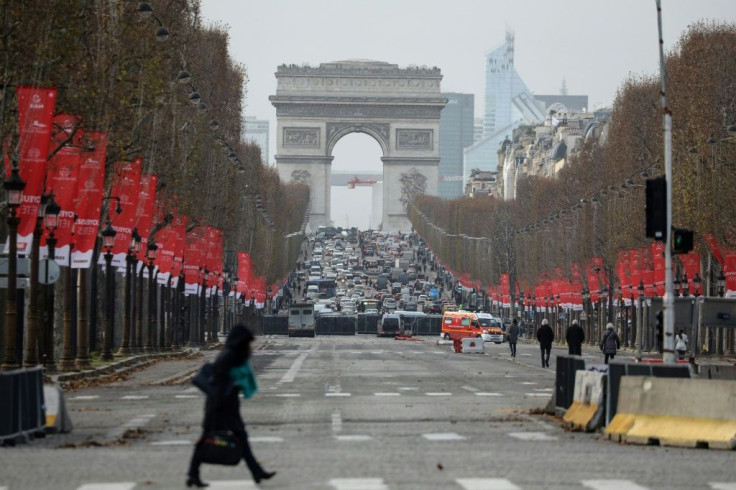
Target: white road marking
(266,439)
(441,393)
(193,389)
(338,394)
(533,436)
(231,485)
(544,389)
(409,388)
(528,382)
(288,395)
(134,397)
(536,394)
(173,443)
(444,436)
(387,394)
(481,393)
(353,438)
(188,396)
(79,397)
(358,484)
(107,486)
(486,484)
(470,388)
(722,486)
(612,485)
(296,366)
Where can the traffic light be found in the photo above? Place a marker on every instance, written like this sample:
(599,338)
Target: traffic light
(682,241)
(656,207)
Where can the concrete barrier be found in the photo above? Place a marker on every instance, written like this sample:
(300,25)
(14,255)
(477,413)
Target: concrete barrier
(587,411)
(472,346)
(675,412)
(567,366)
(57,416)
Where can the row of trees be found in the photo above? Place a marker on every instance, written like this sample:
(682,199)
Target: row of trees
(595,205)
(123,75)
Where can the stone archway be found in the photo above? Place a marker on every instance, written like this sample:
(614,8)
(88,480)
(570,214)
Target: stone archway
(398,107)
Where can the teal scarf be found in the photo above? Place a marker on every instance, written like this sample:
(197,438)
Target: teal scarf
(244,378)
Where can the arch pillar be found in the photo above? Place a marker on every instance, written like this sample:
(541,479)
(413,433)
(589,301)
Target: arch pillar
(313,171)
(402,174)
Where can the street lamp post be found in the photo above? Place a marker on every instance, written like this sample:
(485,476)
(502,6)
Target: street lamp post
(34,328)
(108,241)
(51,222)
(151,256)
(586,310)
(640,318)
(14,186)
(130,259)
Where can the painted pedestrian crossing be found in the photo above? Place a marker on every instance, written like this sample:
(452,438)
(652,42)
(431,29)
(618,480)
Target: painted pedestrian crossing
(378,483)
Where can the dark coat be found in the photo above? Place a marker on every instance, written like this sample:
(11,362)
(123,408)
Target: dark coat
(513,333)
(575,336)
(610,342)
(545,336)
(222,410)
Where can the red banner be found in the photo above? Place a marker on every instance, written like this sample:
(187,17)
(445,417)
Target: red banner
(691,262)
(91,181)
(659,267)
(35,114)
(712,242)
(126,186)
(729,270)
(194,254)
(61,182)
(244,272)
(144,212)
(213,261)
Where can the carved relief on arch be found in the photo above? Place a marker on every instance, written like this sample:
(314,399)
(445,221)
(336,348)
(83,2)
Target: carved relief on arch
(381,132)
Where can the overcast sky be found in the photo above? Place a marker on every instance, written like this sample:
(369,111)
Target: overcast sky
(593,44)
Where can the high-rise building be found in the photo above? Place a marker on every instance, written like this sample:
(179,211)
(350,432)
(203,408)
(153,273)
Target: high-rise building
(456,133)
(508,103)
(256,131)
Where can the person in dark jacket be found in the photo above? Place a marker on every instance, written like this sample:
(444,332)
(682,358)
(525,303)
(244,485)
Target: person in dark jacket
(575,338)
(513,335)
(545,336)
(610,342)
(222,409)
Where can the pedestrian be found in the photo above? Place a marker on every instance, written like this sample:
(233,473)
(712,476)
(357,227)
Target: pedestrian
(513,335)
(610,343)
(222,409)
(575,338)
(681,344)
(545,336)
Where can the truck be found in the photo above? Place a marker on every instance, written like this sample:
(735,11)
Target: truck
(301,320)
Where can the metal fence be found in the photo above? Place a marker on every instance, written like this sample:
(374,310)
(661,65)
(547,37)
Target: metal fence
(22,412)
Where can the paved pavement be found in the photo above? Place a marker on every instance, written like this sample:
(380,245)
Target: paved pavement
(351,413)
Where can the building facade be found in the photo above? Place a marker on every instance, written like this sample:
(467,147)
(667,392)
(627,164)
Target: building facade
(456,134)
(256,131)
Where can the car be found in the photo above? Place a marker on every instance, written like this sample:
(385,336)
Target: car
(389,304)
(433,308)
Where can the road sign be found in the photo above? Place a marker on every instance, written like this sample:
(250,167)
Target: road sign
(23,266)
(583,316)
(53,271)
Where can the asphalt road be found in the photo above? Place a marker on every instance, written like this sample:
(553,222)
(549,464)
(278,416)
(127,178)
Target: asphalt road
(354,413)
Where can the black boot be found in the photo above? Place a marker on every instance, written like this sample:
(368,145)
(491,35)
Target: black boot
(194,481)
(263,475)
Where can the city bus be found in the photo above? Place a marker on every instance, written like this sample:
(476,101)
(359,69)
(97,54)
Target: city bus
(327,286)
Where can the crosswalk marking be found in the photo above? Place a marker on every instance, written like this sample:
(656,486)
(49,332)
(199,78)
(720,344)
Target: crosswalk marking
(231,484)
(358,484)
(179,442)
(134,397)
(722,486)
(483,393)
(533,436)
(612,485)
(108,486)
(486,484)
(337,394)
(387,394)
(444,436)
(80,397)
(266,439)
(440,393)
(288,395)
(187,396)
(536,394)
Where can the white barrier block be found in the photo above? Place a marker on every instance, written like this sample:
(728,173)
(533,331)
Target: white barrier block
(57,417)
(472,346)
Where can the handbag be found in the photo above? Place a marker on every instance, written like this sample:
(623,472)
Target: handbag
(204,379)
(219,447)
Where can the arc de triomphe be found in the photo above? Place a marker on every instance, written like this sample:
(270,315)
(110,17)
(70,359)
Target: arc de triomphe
(398,107)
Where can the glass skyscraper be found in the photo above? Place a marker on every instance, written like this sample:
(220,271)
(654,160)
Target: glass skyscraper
(508,103)
(256,131)
(456,134)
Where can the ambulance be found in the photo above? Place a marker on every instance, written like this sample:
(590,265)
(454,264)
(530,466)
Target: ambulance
(460,324)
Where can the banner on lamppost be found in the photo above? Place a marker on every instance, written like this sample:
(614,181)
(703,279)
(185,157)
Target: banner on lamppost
(35,115)
(177,239)
(244,272)
(193,260)
(126,187)
(61,181)
(90,184)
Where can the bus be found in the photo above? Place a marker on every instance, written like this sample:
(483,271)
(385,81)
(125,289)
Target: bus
(327,286)
(367,305)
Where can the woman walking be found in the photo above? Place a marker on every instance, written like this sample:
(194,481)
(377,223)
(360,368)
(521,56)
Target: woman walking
(513,336)
(610,343)
(222,410)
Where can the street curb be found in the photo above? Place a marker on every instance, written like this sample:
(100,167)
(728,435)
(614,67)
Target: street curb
(118,367)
